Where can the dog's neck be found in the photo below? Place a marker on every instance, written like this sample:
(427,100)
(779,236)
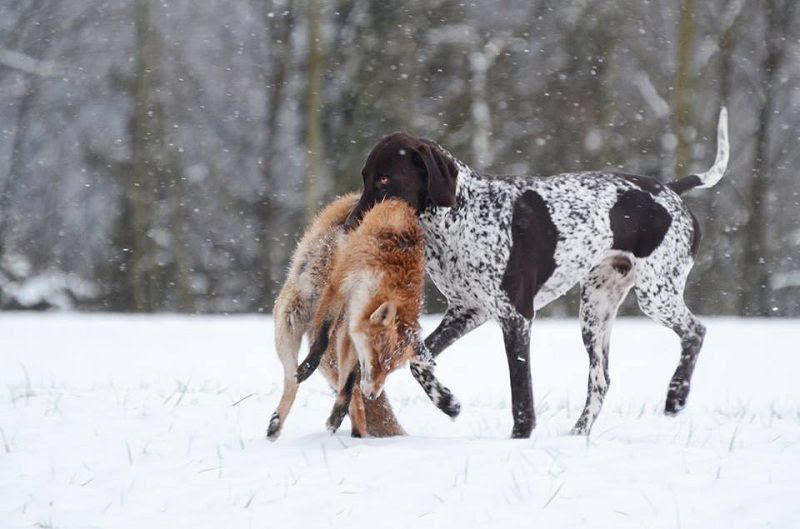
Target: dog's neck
(469,186)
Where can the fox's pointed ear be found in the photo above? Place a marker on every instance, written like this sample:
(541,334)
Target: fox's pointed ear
(384,314)
(442,174)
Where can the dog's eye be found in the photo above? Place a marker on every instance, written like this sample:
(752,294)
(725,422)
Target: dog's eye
(383,180)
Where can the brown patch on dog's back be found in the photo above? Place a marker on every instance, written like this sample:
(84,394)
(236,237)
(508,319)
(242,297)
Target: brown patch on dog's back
(638,223)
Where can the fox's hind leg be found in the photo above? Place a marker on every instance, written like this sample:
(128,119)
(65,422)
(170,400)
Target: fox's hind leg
(289,330)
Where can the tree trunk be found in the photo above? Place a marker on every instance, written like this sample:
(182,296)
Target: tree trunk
(314,111)
(16,163)
(683,85)
(16,156)
(141,181)
(280,32)
(717,270)
(755,298)
(480,60)
(181,271)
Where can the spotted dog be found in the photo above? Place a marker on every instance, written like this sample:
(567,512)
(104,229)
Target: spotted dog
(504,247)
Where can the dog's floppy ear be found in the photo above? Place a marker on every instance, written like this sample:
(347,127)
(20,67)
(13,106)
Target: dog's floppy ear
(354,218)
(442,174)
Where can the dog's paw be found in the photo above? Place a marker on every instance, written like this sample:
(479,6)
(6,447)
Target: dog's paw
(676,397)
(522,430)
(580,428)
(674,405)
(274,428)
(449,404)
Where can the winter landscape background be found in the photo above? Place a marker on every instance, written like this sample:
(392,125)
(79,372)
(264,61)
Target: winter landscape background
(165,156)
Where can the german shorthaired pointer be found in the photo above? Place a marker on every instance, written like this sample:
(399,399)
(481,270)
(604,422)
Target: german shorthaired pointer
(504,247)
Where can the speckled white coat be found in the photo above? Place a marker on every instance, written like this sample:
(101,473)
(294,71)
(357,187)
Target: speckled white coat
(468,249)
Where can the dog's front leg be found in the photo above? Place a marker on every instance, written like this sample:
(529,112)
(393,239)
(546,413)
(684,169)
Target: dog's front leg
(516,335)
(440,395)
(457,322)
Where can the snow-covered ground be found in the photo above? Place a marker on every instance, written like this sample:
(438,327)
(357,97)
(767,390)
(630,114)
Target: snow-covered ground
(146,422)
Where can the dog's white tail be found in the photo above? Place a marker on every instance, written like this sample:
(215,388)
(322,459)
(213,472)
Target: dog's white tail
(713,175)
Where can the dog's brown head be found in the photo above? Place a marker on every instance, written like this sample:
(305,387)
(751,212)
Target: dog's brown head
(411,169)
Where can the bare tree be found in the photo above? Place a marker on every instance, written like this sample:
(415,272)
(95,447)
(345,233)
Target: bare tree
(683,84)
(314,107)
(755,301)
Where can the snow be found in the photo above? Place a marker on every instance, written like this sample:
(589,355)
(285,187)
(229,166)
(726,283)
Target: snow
(143,421)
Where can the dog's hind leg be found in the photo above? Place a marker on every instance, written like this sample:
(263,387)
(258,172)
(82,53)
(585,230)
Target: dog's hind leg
(660,296)
(602,292)
(288,337)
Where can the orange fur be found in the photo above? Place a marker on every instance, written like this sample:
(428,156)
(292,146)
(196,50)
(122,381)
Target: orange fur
(374,293)
(294,310)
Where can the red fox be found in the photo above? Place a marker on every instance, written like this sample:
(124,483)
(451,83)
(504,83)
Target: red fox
(370,307)
(294,310)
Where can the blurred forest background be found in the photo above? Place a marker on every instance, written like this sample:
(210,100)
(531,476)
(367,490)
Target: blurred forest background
(165,156)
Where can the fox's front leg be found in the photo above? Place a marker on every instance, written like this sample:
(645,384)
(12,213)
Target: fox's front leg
(347,385)
(357,412)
